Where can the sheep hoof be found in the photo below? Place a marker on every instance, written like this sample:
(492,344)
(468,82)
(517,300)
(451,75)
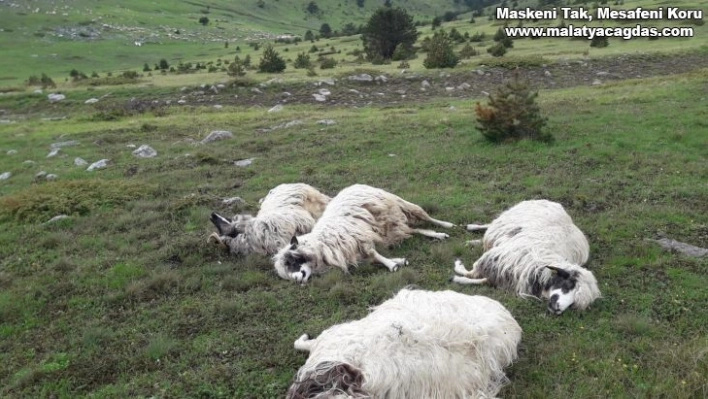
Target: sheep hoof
(216,240)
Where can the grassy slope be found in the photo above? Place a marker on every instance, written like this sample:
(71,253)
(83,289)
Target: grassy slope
(27,54)
(126,299)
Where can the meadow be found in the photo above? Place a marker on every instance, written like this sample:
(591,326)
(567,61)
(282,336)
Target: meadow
(125,298)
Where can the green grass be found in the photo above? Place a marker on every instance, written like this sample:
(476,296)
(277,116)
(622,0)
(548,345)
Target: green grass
(126,299)
(26,53)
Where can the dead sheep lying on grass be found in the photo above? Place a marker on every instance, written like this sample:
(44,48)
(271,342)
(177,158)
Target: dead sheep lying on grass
(419,344)
(534,248)
(355,221)
(288,210)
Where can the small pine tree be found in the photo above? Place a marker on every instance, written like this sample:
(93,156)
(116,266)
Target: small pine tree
(512,114)
(236,68)
(204,21)
(164,64)
(501,37)
(247,61)
(599,41)
(328,63)
(468,51)
(302,61)
(402,52)
(271,62)
(146,68)
(46,81)
(497,50)
(440,52)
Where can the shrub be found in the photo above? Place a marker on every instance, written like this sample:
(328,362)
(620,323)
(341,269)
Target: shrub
(402,52)
(302,61)
(478,37)
(599,41)
(512,114)
(497,50)
(236,68)
(328,63)
(468,51)
(501,37)
(404,65)
(271,61)
(440,53)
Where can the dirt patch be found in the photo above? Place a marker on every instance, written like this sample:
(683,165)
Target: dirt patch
(410,87)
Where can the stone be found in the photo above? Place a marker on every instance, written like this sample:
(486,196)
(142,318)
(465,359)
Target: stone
(277,108)
(217,135)
(80,162)
(98,165)
(145,151)
(244,162)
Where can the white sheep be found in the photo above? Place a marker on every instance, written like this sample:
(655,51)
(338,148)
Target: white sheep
(419,344)
(534,249)
(355,221)
(288,210)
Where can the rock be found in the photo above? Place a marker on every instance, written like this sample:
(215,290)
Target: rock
(452,108)
(602,73)
(38,91)
(55,97)
(401,92)
(98,165)
(28,163)
(277,108)
(596,82)
(145,151)
(6,122)
(324,92)
(233,201)
(62,144)
(355,91)
(56,218)
(217,135)
(682,248)
(425,84)
(382,79)
(11,152)
(479,72)
(328,81)
(286,94)
(5,176)
(449,89)
(91,101)
(51,177)
(326,122)
(256,90)
(319,97)
(221,86)
(40,174)
(53,152)
(547,73)
(244,162)
(484,93)
(364,77)
(131,145)
(181,101)
(80,162)
(391,155)
(218,106)
(464,86)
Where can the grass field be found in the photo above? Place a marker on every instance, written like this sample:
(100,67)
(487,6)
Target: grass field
(125,298)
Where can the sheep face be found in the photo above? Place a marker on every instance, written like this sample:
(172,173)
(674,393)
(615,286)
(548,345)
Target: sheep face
(329,380)
(561,290)
(228,227)
(292,263)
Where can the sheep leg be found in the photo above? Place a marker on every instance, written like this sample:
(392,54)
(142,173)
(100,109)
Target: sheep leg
(441,223)
(392,264)
(477,227)
(432,234)
(465,275)
(215,239)
(304,343)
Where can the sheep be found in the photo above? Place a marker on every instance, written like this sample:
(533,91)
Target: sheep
(534,249)
(355,221)
(287,211)
(419,344)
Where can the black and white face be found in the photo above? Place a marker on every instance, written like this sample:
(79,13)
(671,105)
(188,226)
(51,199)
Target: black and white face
(292,264)
(228,227)
(561,291)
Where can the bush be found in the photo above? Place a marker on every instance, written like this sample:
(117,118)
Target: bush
(271,62)
(468,51)
(440,53)
(478,37)
(512,114)
(497,50)
(599,41)
(302,61)
(236,68)
(401,53)
(328,63)
(386,30)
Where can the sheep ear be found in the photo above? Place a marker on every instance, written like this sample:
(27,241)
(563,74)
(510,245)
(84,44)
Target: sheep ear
(561,272)
(293,243)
